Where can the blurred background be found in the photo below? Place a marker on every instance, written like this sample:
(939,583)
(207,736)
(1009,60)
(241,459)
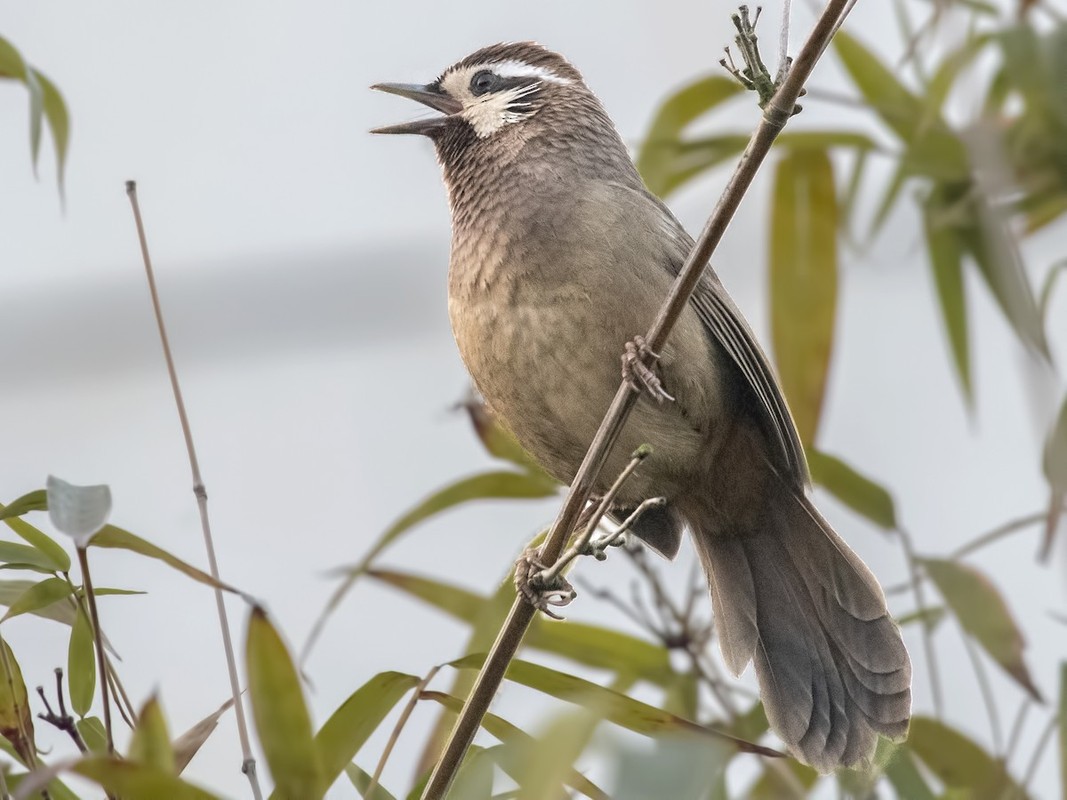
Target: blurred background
(302,268)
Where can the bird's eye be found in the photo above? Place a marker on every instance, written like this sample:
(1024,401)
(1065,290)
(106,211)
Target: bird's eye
(483,82)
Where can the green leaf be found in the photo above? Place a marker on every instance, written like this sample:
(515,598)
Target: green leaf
(474,780)
(656,154)
(994,249)
(680,768)
(150,744)
(932,149)
(983,614)
(591,645)
(58,119)
(133,781)
(33,501)
(803,281)
(361,780)
(62,612)
(930,617)
(349,727)
(52,550)
(25,556)
(81,665)
(498,441)
(484,486)
(1054,465)
(509,734)
(16,718)
(541,767)
(93,734)
(618,708)
(189,743)
(856,491)
(117,538)
(483,633)
(281,715)
(40,595)
(905,777)
(946,250)
(958,762)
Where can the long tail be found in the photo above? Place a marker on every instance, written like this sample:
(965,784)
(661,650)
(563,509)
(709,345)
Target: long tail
(832,668)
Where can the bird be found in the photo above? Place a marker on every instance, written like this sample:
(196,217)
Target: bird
(560,257)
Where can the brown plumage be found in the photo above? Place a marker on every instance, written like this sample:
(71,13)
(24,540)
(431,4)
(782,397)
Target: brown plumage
(560,256)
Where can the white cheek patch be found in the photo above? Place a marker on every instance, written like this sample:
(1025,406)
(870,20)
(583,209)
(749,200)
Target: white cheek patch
(490,112)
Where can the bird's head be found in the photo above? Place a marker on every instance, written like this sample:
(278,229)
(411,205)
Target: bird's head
(490,93)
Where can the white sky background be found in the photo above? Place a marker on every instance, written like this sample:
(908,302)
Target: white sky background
(302,266)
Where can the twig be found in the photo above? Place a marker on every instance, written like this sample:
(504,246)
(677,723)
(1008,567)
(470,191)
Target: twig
(63,720)
(987,697)
(776,114)
(248,766)
(928,639)
(395,735)
(1039,751)
(548,577)
(1017,729)
(998,533)
(98,639)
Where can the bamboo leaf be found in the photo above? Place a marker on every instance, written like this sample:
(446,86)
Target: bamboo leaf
(685,764)
(946,250)
(591,645)
(189,743)
(134,781)
(16,718)
(803,278)
(618,708)
(655,156)
(346,731)
(361,780)
(958,762)
(905,778)
(498,441)
(81,665)
(509,734)
(38,596)
(93,734)
(856,491)
(33,501)
(484,486)
(23,556)
(150,744)
(52,550)
(58,118)
(282,720)
(119,539)
(983,614)
(1054,465)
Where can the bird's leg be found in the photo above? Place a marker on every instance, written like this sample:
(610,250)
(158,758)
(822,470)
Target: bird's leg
(531,585)
(638,374)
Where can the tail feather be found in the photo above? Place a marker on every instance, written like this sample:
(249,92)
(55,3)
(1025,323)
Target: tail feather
(832,668)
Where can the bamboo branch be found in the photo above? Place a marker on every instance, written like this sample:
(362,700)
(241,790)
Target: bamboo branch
(776,112)
(248,765)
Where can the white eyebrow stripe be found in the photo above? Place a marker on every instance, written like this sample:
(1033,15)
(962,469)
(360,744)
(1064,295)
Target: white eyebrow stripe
(513,68)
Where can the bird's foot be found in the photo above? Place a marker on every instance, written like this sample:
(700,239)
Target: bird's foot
(638,374)
(541,594)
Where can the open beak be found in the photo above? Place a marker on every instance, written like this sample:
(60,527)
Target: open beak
(427,94)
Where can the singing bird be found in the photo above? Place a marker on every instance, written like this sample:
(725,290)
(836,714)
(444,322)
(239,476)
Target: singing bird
(560,258)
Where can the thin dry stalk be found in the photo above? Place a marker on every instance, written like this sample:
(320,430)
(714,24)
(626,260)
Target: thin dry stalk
(248,766)
(776,113)
(98,639)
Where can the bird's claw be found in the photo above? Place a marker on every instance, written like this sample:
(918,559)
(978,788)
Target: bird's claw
(531,585)
(638,374)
